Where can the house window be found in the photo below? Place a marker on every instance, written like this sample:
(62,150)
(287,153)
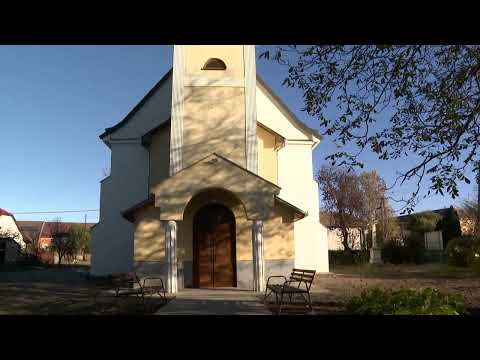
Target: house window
(214,64)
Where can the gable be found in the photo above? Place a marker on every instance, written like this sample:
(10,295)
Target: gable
(150,112)
(275,115)
(155,108)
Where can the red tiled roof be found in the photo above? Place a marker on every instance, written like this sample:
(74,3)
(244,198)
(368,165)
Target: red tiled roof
(33,228)
(5,212)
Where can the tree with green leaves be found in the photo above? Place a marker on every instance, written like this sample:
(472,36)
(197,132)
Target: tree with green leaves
(411,100)
(81,236)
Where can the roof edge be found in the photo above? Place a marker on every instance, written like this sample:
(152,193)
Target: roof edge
(281,104)
(137,107)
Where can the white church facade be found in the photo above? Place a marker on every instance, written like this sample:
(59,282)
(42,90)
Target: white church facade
(211,181)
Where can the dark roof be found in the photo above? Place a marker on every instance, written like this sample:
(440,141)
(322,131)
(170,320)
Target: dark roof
(299,213)
(147,137)
(442,212)
(128,213)
(262,83)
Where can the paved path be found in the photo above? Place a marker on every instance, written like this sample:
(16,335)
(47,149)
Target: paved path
(214,302)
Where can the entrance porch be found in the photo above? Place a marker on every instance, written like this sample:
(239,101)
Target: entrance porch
(212,225)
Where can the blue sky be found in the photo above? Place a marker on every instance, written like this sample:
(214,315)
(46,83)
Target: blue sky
(56,100)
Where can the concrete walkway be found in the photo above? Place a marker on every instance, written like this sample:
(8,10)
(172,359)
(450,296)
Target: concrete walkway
(215,302)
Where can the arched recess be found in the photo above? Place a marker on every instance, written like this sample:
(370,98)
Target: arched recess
(214,64)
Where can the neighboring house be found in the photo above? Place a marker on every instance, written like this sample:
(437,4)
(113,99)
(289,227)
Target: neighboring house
(211,180)
(40,232)
(433,239)
(11,239)
(356,234)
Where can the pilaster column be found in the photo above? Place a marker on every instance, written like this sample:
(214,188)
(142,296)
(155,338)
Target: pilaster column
(171,256)
(258,259)
(177,112)
(250,107)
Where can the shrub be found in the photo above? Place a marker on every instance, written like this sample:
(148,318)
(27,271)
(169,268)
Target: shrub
(428,301)
(412,251)
(341,257)
(392,252)
(461,251)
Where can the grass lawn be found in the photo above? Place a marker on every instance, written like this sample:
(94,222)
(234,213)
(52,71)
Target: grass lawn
(407,270)
(343,282)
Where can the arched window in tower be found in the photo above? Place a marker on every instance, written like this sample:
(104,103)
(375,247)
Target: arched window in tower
(214,64)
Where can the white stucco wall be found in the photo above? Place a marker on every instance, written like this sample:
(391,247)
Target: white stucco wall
(9,227)
(295,177)
(112,238)
(112,241)
(155,111)
(270,116)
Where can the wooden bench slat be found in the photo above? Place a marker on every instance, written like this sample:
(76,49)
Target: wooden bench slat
(302,280)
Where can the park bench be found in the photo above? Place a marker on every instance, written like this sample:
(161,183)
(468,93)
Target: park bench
(299,283)
(131,285)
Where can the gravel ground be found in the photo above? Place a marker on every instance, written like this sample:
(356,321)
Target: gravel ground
(53,291)
(63,291)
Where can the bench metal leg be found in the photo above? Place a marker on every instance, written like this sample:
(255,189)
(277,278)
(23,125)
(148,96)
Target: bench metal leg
(281,303)
(266,295)
(310,302)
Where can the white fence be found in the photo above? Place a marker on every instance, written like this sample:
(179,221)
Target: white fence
(433,240)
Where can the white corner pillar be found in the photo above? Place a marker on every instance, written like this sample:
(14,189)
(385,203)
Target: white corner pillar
(171,256)
(177,110)
(258,258)
(250,107)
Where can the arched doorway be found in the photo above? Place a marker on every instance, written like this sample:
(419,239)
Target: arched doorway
(214,256)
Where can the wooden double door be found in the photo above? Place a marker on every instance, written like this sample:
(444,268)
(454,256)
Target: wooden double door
(214,256)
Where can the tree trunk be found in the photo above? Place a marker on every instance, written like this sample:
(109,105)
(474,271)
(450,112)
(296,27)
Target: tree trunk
(346,246)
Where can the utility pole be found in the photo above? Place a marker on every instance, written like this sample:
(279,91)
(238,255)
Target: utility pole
(477,225)
(375,251)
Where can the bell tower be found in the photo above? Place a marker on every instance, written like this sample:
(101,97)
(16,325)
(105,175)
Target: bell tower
(213,105)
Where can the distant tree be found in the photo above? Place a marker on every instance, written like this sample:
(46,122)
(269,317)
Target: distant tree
(81,237)
(61,242)
(450,226)
(374,190)
(420,101)
(342,199)
(32,240)
(469,215)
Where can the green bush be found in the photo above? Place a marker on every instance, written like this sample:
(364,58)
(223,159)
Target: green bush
(392,252)
(341,257)
(461,251)
(429,301)
(412,251)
